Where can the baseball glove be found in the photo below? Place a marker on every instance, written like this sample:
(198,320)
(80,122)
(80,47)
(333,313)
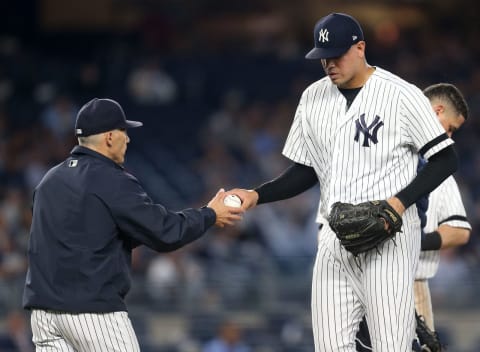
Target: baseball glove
(361,227)
(427,338)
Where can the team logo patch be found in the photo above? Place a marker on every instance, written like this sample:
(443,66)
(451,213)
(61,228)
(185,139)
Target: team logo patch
(369,131)
(323,35)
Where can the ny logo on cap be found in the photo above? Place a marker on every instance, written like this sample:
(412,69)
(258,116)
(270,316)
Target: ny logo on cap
(323,35)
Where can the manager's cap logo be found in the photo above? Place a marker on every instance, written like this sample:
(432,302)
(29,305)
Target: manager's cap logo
(334,35)
(101,115)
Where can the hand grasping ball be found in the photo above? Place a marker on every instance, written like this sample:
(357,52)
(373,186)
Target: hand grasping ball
(232,201)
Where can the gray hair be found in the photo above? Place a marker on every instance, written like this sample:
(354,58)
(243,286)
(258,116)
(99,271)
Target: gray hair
(91,140)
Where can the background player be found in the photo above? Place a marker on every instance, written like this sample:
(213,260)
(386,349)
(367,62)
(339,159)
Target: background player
(359,131)
(88,215)
(446,223)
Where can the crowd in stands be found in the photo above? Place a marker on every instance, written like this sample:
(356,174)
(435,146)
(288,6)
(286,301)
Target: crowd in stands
(211,119)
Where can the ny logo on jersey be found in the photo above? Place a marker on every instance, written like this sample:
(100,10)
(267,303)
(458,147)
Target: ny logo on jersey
(323,35)
(369,132)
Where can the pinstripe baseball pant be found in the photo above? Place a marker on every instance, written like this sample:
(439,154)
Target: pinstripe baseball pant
(87,332)
(423,301)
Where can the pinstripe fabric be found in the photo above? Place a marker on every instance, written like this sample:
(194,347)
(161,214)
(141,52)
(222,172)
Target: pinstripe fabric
(398,121)
(445,207)
(423,302)
(322,136)
(379,285)
(445,203)
(86,332)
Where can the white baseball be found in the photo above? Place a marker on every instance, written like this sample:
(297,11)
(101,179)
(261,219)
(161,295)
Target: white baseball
(232,201)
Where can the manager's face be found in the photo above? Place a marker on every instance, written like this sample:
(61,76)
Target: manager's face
(119,140)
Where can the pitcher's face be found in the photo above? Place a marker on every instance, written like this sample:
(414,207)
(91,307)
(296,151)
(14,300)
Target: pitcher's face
(345,71)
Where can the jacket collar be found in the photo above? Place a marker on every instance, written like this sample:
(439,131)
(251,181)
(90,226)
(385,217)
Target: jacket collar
(78,150)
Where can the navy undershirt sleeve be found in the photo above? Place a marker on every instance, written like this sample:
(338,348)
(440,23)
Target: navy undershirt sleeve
(294,180)
(438,168)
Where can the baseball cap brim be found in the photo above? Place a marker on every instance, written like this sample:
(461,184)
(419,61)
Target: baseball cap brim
(325,53)
(133,124)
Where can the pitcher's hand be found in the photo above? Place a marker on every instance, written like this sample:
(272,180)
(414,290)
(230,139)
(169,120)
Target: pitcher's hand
(249,197)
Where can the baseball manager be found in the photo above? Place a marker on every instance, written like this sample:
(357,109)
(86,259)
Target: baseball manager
(88,215)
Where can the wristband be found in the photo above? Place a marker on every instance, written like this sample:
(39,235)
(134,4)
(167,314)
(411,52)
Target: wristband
(431,241)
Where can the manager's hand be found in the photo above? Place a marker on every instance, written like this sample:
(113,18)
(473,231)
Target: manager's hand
(225,215)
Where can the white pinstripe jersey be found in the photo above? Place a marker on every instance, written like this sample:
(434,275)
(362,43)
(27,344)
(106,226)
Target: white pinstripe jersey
(369,151)
(445,206)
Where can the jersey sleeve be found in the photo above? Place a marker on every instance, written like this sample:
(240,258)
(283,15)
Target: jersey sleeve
(423,128)
(451,210)
(295,146)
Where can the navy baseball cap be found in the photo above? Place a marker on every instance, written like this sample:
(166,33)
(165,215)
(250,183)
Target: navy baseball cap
(101,115)
(334,35)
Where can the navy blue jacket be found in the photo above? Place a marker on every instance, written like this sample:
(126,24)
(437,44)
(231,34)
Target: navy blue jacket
(88,215)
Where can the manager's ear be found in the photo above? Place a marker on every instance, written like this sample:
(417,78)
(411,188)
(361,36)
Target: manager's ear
(108,137)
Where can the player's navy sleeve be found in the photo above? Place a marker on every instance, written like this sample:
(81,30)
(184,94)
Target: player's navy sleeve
(296,179)
(422,203)
(439,167)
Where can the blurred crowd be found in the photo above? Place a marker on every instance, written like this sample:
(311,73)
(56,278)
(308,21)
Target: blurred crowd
(212,119)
